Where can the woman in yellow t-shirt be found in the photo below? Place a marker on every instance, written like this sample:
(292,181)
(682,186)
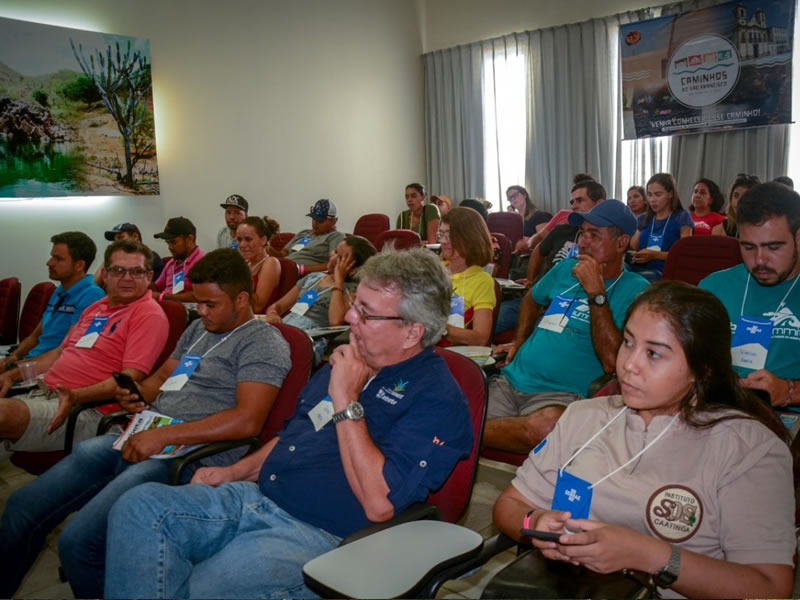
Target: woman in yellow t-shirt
(466,248)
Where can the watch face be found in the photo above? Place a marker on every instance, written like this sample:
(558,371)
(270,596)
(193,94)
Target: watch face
(599,300)
(355,410)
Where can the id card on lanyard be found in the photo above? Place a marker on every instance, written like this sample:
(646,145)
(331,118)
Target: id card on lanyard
(305,302)
(656,241)
(88,339)
(301,243)
(456,318)
(178,283)
(558,313)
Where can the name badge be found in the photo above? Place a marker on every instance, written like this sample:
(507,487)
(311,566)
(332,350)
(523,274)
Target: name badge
(234,245)
(655,242)
(301,243)
(456,318)
(322,413)
(183,371)
(178,282)
(750,344)
(305,302)
(573,251)
(572,494)
(92,333)
(558,313)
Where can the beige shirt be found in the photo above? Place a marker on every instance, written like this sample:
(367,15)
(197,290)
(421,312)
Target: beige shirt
(725,492)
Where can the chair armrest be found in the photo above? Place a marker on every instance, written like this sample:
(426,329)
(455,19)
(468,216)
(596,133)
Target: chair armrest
(418,511)
(179,464)
(72,420)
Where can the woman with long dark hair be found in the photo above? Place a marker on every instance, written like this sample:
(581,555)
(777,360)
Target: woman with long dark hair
(420,216)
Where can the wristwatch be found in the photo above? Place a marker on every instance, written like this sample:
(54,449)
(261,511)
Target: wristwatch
(669,573)
(353,411)
(597,300)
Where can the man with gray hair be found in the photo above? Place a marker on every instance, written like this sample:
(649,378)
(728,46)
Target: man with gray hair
(374,431)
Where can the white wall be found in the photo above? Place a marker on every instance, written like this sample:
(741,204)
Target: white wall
(282,102)
(453,22)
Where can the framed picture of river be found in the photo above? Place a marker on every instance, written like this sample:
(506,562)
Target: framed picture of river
(76,113)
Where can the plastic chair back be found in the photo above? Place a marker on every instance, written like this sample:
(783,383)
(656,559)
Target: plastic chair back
(691,258)
(279,240)
(371,226)
(403,239)
(506,248)
(34,307)
(10,291)
(508,223)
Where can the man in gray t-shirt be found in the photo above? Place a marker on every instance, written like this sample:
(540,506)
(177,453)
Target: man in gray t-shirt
(310,248)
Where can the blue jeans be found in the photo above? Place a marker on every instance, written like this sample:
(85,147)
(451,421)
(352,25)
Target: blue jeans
(507,316)
(89,480)
(198,541)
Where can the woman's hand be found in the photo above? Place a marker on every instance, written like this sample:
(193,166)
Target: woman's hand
(342,269)
(550,520)
(645,256)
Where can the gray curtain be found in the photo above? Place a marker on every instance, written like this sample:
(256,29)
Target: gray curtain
(454,122)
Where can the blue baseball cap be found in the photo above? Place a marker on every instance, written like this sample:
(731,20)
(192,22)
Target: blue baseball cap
(322,209)
(607,213)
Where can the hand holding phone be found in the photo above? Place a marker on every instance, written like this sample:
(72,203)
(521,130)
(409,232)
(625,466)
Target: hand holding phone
(126,382)
(548,536)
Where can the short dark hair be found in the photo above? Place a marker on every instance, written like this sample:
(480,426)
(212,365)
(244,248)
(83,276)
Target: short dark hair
(594,190)
(129,246)
(79,245)
(417,186)
(227,269)
(766,200)
(363,249)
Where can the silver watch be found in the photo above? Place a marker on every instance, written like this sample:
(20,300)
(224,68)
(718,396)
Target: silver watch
(669,572)
(353,411)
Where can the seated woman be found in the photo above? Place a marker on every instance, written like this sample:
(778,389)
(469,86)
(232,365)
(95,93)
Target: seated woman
(519,201)
(636,201)
(420,217)
(252,236)
(466,248)
(665,222)
(707,202)
(443,203)
(685,475)
(319,299)
(740,185)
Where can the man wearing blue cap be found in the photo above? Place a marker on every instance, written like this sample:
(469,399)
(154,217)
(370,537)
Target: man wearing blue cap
(582,302)
(311,248)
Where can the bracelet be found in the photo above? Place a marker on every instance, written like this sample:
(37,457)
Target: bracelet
(336,288)
(526,522)
(301,269)
(788,400)
(161,296)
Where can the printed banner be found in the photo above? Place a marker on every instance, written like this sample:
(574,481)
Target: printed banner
(726,66)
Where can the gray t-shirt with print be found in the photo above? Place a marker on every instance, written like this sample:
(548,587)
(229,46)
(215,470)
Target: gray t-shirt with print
(317,250)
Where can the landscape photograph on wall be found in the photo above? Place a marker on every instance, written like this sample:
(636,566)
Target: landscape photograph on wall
(76,113)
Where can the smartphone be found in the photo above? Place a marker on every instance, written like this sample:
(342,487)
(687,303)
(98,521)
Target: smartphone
(126,382)
(500,356)
(548,536)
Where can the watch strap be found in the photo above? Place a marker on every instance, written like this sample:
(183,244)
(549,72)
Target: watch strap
(669,572)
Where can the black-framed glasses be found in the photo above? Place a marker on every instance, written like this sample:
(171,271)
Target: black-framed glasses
(364,316)
(134,272)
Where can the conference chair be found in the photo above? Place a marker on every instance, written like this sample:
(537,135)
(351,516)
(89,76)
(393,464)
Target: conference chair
(10,291)
(371,226)
(403,239)
(506,249)
(34,307)
(403,556)
(508,223)
(279,240)
(37,463)
(691,258)
(287,280)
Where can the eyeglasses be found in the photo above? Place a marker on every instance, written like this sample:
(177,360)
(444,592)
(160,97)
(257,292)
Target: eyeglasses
(444,235)
(134,272)
(364,316)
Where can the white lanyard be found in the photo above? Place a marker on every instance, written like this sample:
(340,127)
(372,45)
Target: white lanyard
(608,291)
(663,231)
(747,287)
(635,456)
(222,341)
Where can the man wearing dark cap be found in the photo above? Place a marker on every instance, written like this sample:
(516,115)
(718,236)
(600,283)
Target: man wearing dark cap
(311,248)
(173,284)
(125,231)
(582,302)
(236,208)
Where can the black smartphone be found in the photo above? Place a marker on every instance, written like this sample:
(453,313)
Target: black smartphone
(500,356)
(126,382)
(548,536)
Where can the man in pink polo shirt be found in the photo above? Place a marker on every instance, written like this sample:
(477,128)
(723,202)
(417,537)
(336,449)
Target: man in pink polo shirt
(172,284)
(124,331)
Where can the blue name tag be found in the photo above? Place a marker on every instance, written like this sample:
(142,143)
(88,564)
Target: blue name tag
(750,344)
(88,339)
(573,251)
(558,313)
(572,494)
(456,318)
(305,302)
(655,242)
(301,243)
(183,371)
(178,282)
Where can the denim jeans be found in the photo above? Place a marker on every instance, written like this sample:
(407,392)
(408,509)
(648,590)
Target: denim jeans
(89,480)
(198,541)
(507,316)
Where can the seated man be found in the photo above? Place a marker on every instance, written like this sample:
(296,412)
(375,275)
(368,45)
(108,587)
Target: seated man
(242,364)
(174,283)
(236,208)
(124,231)
(70,258)
(379,428)
(552,363)
(760,295)
(124,331)
(311,248)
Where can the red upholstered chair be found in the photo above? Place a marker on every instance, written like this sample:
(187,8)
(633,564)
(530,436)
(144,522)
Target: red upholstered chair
(508,223)
(33,309)
(403,239)
(691,258)
(371,226)
(10,291)
(279,240)
(446,505)
(506,249)
(286,282)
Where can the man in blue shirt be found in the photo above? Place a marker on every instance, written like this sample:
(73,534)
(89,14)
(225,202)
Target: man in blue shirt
(374,431)
(551,362)
(761,295)
(70,258)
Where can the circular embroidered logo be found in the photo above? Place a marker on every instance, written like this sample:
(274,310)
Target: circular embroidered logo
(674,513)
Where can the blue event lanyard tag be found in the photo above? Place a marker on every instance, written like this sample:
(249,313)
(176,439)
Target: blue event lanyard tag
(750,344)
(305,302)
(178,281)
(656,242)
(456,318)
(183,371)
(92,334)
(573,251)
(572,494)
(558,313)
(301,243)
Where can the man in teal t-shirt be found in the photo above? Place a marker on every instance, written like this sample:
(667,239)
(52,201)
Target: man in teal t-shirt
(582,302)
(761,295)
